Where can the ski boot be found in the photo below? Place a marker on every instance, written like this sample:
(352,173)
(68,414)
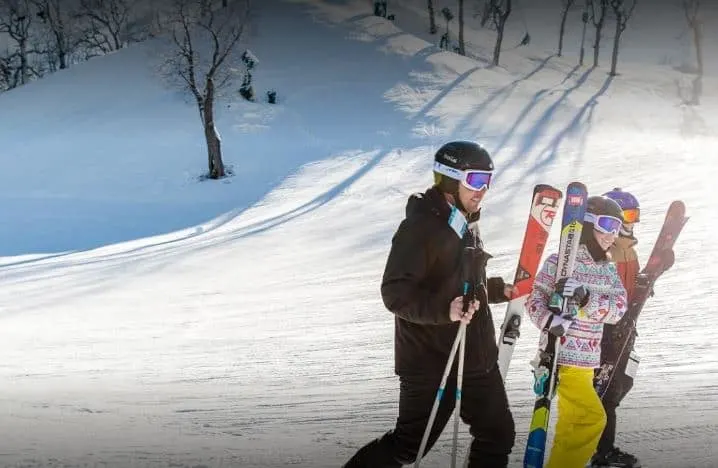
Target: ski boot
(615,458)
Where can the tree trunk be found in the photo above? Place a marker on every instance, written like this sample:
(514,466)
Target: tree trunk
(500,26)
(214,150)
(432,17)
(24,65)
(60,39)
(697,90)
(562,28)
(462,46)
(499,40)
(582,53)
(616,43)
(597,44)
(698,39)
(599,29)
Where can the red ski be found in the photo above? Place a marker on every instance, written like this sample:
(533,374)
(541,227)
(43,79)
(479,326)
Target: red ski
(660,260)
(544,205)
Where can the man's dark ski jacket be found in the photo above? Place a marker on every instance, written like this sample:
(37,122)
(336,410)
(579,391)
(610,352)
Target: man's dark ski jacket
(422,277)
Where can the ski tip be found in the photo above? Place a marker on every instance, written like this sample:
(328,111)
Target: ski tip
(546,188)
(578,184)
(676,210)
(677,205)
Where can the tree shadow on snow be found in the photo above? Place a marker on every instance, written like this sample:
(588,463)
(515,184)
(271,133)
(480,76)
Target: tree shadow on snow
(353,115)
(495,99)
(580,122)
(540,125)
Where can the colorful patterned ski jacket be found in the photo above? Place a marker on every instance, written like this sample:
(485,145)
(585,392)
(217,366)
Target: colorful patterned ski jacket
(581,346)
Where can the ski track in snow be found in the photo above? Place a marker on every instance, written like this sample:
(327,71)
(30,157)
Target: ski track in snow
(259,339)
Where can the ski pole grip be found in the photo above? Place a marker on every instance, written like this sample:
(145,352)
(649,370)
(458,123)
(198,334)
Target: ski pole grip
(467,277)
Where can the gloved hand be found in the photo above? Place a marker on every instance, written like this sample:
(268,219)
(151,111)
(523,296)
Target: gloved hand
(557,325)
(569,288)
(642,281)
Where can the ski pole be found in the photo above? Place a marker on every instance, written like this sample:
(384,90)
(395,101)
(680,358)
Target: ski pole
(469,293)
(469,274)
(439,394)
(459,382)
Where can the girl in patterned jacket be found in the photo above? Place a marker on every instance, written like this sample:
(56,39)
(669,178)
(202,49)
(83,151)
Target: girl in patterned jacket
(596,290)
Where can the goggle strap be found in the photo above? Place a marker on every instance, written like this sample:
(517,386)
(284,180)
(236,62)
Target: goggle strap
(451,172)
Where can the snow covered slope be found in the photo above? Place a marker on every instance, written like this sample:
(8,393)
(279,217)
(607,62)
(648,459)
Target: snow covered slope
(150,319)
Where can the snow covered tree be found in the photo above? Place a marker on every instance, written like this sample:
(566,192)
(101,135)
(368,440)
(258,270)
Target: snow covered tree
(622,10)
(205,45)
(380,8)
(500,11)
(250,61)
(691,8)
(565,6)
(598,17)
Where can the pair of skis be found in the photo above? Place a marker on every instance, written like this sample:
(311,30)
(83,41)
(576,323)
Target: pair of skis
(544,206)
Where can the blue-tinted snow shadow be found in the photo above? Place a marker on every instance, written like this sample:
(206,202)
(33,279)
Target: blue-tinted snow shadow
(338,105)
(335,104)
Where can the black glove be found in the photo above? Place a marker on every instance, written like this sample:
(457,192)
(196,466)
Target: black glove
(569,288)
(642,281)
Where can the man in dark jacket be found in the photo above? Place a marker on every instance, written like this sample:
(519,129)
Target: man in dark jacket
(421,286)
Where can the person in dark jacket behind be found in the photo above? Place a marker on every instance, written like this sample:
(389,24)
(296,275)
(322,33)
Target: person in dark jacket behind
(421,286)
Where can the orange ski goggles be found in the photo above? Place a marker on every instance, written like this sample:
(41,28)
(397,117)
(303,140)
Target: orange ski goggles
(632,215)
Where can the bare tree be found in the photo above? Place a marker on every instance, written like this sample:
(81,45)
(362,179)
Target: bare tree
(692,10)
(63,38)
(598,16)
(110,24)
(584,20)
(445,41)
(565,6)
(462,44)
(500,11)
(432,17)
(205,45)
(484,13)
(622,9)
(16,20)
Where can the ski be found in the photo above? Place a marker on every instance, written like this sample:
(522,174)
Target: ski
(544,205)
(545,367)
(660,260)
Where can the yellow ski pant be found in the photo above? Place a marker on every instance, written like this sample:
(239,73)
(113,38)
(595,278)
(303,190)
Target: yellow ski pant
(581,419)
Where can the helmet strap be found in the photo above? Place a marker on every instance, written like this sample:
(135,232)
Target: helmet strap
(457,200)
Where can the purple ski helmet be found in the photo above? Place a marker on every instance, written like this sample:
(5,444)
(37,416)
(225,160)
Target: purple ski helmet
(627,202)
